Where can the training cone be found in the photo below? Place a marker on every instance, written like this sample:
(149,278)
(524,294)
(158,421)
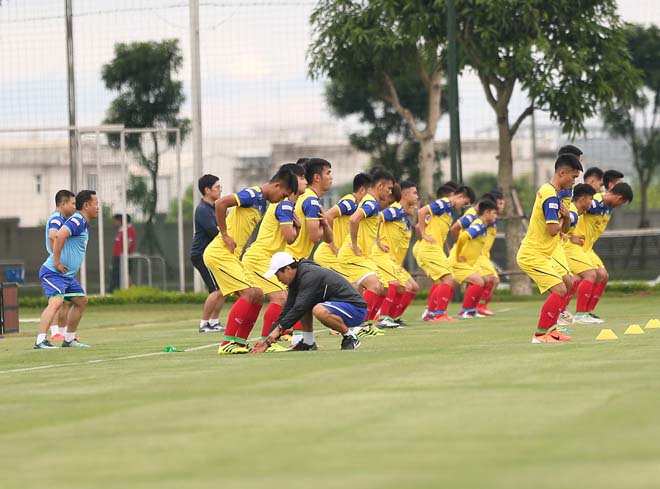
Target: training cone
(653,324)
(607,334)
(634,329)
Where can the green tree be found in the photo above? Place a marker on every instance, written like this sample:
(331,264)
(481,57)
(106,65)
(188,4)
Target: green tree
(568,57)
(149,96)
(380,45)
(638,123)
(188,206)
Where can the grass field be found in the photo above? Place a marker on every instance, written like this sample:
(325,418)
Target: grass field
(472,404)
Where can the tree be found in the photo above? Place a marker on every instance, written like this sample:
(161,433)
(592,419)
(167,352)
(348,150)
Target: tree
(149,96)
(378,45)
(568,56)
(637,124)
(187,208)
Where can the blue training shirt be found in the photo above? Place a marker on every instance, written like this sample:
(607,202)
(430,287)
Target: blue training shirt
(73,251)
(206,228)
(55,222)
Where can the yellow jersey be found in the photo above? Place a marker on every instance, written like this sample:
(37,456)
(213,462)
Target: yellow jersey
(545,211)
(470,242)
(308,208)
(593,222)
(244,217)
(368,229)
(438,221)
(270,239)
(395,232)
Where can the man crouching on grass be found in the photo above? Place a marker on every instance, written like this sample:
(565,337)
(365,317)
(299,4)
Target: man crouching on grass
(314,292)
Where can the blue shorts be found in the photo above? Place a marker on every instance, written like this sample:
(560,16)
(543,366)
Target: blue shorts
(351,315)
(55,284)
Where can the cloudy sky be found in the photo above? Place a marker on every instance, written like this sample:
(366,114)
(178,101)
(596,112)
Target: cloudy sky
(254,81)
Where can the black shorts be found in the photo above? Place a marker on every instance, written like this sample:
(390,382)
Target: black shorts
(207,276)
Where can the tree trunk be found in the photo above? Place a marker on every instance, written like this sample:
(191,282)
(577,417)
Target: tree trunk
(513,224)
(426,167)
(643,215)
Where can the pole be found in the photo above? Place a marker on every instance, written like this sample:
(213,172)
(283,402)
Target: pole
(179,198)
(79,186)
(71,84)
(452,80)
(196,99)
(535,163)
(124,210)
(100,218)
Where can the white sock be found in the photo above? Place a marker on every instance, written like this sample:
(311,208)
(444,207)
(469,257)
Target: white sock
(351,334)
(202,322)
(69,336)
(41,337)
(62,330)
(295,339)
(54,329)
(308,337)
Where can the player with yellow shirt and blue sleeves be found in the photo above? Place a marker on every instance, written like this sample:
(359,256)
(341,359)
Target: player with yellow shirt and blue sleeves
(338,216)
(548,219)
(465,254)
(221,256)
(389,251)
(433,224)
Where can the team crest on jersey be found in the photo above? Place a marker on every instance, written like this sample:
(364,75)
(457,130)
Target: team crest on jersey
(553,205)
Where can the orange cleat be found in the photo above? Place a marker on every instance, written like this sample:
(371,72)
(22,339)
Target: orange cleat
(443,318)
(559,336)
(57,337)
(546,338)
(484,311)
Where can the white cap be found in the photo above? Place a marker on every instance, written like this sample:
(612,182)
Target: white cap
(277,261)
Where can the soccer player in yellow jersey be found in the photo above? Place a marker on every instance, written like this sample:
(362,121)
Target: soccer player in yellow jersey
(464,257)
(487,269)
(389,251)
(579,261)
(278,228)
(337,217)
(549,218)
(590,227)
(353,256)
(433,224)
(221,258)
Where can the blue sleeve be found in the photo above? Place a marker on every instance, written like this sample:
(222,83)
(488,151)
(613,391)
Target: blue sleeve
(370,208)
(595,208)
(347,207)
(55,223)
(475,230)
(439,208)
(391,214)
(284,212)
(247,197)
(565,193)
(551,209)
(311,207)
(75,225)
(466,220)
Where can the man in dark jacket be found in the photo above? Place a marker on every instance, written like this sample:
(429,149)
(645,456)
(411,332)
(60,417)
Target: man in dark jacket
(314,292)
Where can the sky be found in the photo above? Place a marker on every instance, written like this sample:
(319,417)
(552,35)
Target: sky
(255,86)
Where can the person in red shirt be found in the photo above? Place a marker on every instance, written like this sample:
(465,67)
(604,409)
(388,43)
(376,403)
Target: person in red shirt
(118,248)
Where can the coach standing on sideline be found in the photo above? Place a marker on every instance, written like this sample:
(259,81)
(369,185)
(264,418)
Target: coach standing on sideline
(314,292)
(206,228)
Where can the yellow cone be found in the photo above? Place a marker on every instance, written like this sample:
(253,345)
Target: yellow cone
(653,324)
(606,334)
(634,329)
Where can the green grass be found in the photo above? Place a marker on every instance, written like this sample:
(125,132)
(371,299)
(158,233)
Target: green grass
(433,405)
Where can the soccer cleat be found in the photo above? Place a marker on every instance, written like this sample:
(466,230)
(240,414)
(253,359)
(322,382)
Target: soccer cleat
(546,338)
(276,348)
(302,346)
(444,318)
(57,337)
(232,348)
(286,337)
(467,315)
(350,343)
(44,345)
(217,327)
(370,331)
(74,343)
(484,311)
(559,336)
(387,322)
(585,318)
(206,328)
(401,322)
(566,314)
(565,319)
(428,316)
(597,318)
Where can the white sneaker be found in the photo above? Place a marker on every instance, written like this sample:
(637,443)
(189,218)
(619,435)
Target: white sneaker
(466,315)
(584,318)
(565,319)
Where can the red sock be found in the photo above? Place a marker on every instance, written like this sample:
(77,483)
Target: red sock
(568,297)
(237,316)
(472,296)
(379,302)
(371,299)
(390,300)
(487,293)
(596,293)
(272,313)
(585,290)
(549,313)
(406,299)
(431,305)
(443,295)
(251,318)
